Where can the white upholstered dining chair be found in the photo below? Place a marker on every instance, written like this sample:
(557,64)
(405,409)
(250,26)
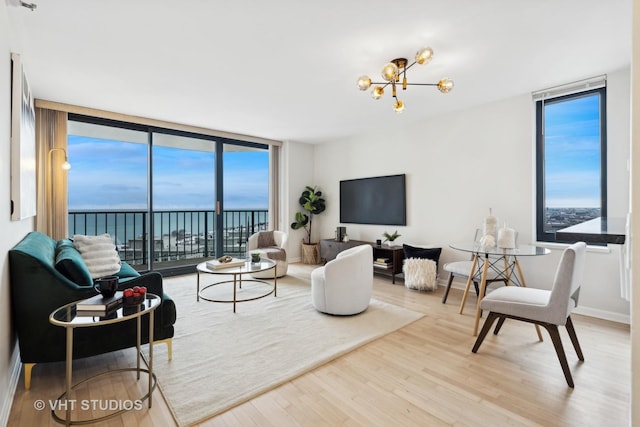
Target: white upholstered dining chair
(461,270)
(547,308)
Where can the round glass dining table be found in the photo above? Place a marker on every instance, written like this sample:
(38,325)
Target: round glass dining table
(503,263)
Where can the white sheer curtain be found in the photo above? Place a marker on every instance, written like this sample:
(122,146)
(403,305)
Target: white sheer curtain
(52,191)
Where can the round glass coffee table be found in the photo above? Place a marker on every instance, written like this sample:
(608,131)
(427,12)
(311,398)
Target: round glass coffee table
(69,318)
(237,280)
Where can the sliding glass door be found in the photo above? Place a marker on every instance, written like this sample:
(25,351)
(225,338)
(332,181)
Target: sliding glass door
(170,199)
(108,186)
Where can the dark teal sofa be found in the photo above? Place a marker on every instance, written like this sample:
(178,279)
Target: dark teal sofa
(46,274)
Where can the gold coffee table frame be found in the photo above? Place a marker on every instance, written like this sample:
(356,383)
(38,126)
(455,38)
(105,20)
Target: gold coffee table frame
(67,317)
(237,272)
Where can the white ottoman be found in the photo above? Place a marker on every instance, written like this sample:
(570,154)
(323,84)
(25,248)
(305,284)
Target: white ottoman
(420,274)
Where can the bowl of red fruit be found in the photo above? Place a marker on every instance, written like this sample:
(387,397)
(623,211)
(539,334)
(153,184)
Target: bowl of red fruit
(134,296)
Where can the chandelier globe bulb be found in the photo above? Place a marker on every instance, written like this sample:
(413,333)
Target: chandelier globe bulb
(445,85)
(364,82)
(389,71)
(424,55)
(398,106)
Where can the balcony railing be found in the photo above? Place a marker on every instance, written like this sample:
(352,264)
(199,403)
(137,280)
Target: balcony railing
(180,237)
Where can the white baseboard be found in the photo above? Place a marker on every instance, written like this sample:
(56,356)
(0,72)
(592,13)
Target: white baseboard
(603,314)
(581,309)
(14,377)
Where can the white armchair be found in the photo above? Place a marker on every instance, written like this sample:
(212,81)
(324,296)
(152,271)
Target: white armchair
(272,249)
(343,286)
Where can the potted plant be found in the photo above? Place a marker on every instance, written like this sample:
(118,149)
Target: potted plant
(390,237)
(313,204)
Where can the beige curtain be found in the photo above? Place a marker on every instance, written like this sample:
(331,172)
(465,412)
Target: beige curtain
(51,153)
(274,188)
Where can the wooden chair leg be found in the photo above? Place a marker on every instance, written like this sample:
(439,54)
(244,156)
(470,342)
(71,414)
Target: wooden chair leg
(446,291)
(28,367)
(499,325)
(574,338)
(485,329)
(557,343)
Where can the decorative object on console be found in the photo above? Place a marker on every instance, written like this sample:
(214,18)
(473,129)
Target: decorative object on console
(490,225)
(489,231)
(391,73)
(99,302)
(107,286)
(506,237)
(312,202)
(224,262)
(487,241)
(340,233)
(390,237)
(134,296)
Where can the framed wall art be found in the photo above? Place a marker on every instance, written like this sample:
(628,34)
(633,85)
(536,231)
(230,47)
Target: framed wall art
(23,144)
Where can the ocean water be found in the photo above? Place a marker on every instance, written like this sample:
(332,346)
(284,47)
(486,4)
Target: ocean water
(176,226)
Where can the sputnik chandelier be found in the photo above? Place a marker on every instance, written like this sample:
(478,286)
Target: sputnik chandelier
(392,72)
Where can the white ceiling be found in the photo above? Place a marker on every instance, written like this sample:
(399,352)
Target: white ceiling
(287,69)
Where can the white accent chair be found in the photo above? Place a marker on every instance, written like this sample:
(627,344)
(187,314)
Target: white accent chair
(548,309)
(343,286)
(280,239)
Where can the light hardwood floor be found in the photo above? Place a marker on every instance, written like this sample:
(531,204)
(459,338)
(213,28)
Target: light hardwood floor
(421,375)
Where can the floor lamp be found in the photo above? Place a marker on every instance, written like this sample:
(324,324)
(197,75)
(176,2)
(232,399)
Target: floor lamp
(50,174)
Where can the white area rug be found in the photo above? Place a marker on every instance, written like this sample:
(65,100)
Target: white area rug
(222,359)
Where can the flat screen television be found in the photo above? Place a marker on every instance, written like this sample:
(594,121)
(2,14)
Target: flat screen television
(377,200)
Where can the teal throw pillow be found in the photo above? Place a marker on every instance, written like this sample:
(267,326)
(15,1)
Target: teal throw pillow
(69,262)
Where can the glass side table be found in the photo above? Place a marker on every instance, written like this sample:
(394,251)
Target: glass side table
(69,318)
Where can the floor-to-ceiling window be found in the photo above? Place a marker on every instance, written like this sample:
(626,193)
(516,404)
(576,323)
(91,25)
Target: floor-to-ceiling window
(169,198)
(571,157)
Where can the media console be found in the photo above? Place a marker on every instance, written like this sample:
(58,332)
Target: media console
(330,248)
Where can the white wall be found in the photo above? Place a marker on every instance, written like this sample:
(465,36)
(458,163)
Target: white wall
(12,231)
(297,173)
(635,224)
(461,164)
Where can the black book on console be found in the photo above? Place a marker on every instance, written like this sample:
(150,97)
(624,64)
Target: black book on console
(100,303)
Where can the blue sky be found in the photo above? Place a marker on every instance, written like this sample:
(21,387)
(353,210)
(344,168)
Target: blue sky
(109,174)
(572,153)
